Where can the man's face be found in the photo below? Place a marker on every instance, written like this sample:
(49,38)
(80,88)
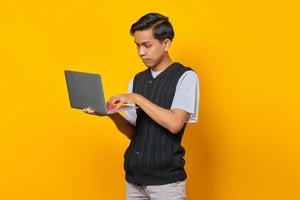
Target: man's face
(150,50)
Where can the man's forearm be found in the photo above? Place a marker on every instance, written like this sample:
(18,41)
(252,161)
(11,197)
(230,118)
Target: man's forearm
(166,118)
(123,125)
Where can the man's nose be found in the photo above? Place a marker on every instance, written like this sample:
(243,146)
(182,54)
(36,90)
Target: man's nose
(142,52)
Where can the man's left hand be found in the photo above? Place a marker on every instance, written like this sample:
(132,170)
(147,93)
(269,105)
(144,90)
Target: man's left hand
(121,99)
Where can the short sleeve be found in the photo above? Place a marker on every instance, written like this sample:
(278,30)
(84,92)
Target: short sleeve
(187,95)
(130,115)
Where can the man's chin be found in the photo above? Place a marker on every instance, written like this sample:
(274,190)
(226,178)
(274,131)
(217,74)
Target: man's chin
(149,64)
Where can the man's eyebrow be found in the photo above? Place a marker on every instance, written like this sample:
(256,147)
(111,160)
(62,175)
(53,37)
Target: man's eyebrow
(143,43)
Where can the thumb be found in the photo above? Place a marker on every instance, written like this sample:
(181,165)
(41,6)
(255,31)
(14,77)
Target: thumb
(119,105)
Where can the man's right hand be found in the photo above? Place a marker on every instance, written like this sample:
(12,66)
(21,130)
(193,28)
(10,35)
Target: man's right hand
(92,112)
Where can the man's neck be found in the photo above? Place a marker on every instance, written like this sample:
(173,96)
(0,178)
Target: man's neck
(166,62)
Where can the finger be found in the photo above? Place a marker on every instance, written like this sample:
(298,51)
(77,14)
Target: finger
(109,103)
(86,110)
(115,105)
(91,111)
(121,102)
(113,101)
(119,105)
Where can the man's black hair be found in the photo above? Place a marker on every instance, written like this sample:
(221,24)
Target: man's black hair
(162,28)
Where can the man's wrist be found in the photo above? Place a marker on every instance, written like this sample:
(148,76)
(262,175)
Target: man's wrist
(136,98)
(113,116)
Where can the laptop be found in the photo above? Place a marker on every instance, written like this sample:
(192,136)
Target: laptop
(86,90)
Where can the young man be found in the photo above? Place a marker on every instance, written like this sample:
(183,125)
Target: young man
(167,94)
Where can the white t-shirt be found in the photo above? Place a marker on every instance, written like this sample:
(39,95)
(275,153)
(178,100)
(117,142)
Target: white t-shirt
(187,95)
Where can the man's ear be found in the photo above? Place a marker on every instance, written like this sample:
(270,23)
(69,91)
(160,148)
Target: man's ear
(167,44)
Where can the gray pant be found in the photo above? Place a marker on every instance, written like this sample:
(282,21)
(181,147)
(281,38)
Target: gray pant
(172,191)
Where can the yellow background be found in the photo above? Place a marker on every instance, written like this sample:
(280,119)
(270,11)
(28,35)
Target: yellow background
(246,144)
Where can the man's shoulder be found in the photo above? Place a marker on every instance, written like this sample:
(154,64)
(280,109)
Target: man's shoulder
(184,67)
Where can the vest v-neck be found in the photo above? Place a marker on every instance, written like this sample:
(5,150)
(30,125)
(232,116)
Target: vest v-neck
(163,71)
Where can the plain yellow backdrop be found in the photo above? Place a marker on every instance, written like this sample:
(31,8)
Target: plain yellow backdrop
(246,144)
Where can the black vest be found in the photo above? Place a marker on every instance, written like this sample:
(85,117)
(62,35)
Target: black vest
(155,155)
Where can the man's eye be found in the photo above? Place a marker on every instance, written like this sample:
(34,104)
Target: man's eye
(148,46)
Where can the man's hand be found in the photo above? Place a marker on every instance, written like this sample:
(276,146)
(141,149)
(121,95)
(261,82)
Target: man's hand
(173,120)
(118,100)
(115,102)
(92,112)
